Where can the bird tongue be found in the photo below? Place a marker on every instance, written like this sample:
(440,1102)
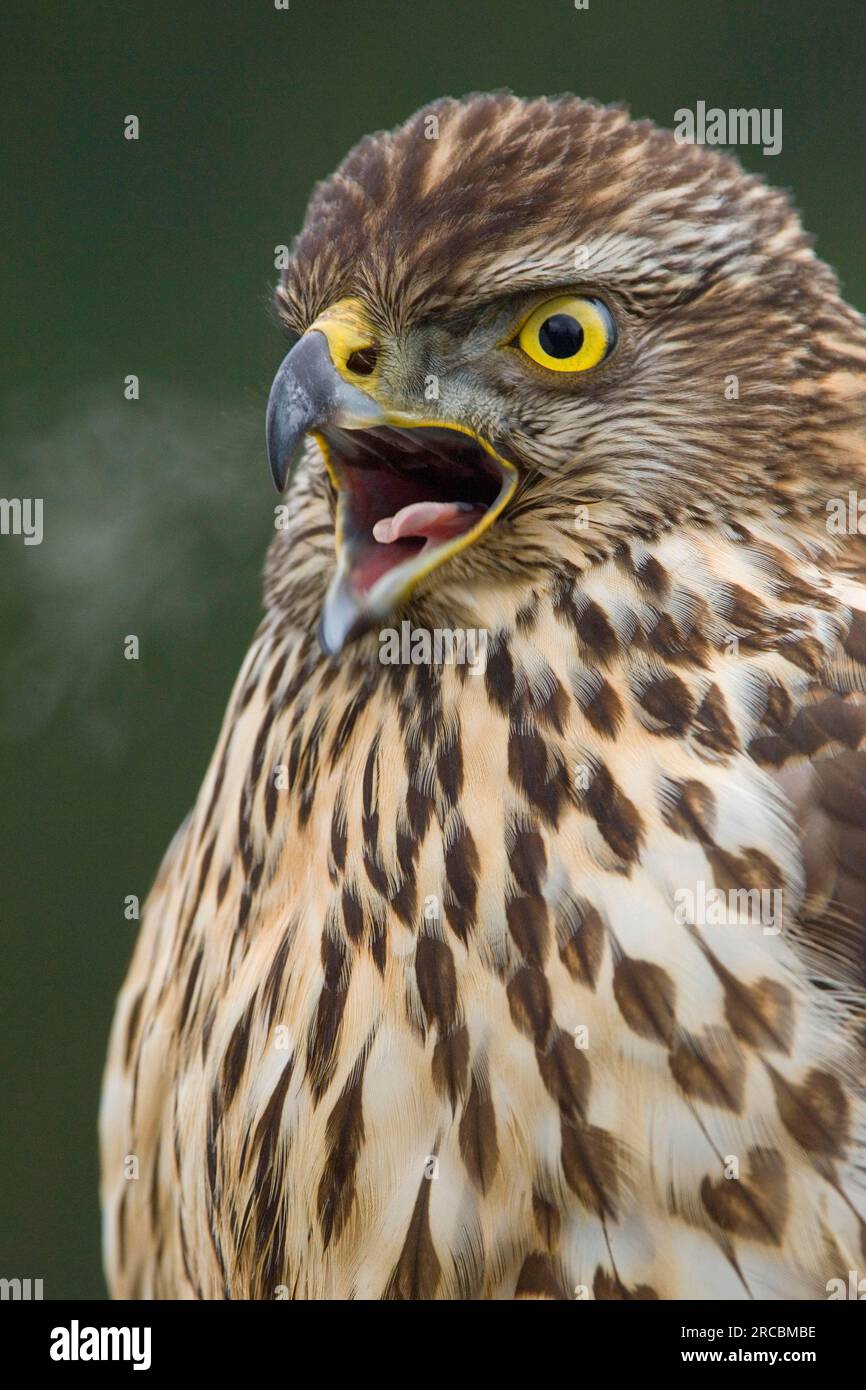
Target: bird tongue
(434,521)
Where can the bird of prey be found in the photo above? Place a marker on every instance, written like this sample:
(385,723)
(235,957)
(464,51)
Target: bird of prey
(453,984)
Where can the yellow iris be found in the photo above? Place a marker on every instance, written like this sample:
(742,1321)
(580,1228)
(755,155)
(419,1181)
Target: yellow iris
(568,334)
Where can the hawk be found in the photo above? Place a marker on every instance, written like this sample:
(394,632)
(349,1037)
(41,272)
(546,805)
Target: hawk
(546,979)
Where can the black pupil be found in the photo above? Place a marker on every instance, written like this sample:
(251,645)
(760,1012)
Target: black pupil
(560,335)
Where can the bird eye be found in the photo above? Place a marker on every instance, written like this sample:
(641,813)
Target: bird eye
(568,334)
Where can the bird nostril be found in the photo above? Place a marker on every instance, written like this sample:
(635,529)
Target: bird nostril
(362,361)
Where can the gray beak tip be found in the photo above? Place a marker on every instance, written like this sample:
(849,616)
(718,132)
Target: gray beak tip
(280,464)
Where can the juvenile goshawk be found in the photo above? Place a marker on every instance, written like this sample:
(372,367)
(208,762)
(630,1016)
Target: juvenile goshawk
(542,979)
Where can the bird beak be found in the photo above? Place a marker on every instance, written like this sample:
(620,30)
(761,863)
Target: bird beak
(411,492)
(308,390)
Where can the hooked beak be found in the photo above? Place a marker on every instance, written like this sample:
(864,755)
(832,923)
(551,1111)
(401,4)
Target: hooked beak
(411,492)
(307,392)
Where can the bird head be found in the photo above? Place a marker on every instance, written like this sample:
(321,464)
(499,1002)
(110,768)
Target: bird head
(530,331)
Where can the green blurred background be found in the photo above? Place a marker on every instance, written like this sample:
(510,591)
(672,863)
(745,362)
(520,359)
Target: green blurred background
(156,258)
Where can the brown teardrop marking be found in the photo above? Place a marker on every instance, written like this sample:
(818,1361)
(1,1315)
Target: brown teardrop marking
(646,996)
(710,1068)
(755,1206)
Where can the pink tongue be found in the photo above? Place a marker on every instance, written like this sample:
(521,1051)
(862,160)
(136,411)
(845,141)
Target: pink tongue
(435,521)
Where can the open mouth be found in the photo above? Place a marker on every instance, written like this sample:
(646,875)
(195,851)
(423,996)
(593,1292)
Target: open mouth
(407,499)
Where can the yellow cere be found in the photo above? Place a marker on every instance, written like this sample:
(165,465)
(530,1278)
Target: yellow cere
(348,330)
(568,334)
